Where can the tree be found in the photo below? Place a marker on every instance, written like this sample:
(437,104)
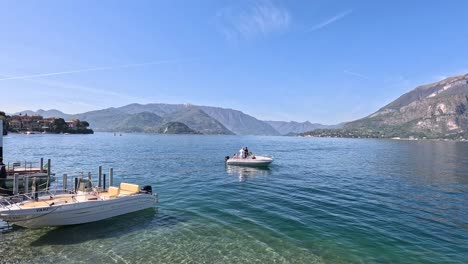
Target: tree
(83,124)
(59,125)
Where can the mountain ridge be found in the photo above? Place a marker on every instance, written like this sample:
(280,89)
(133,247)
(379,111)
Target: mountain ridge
(110,119)
(435,110)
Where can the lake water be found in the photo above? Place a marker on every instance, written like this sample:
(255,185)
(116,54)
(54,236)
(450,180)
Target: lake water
(321,201)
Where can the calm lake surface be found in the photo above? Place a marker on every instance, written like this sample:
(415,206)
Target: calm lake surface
(321,201)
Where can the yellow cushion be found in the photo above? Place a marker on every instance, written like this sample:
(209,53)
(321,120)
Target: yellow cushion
(128,188)
(113,191)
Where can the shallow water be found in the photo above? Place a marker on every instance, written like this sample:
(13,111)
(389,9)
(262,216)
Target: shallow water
(321,201)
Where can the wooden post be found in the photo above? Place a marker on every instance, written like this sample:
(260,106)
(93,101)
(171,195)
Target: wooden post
(104,182)
(99,176)
(42,165)
(111,177)
(15,183)
(76,184)
(26,184)
(48,168)
(64,182)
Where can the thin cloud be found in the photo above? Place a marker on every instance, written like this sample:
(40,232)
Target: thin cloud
(93,92)
(355,74)
(256,20)
(89,70)
(330,20)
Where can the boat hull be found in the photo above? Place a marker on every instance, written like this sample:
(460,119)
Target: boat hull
(78,213)
(258,162)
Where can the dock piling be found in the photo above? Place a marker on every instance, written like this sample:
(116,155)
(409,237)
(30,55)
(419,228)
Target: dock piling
(26,184)
(41,170)
(15,183)
(48,168)
(64,182)
(99,176)
(104,182)
(111,177)
(76,184)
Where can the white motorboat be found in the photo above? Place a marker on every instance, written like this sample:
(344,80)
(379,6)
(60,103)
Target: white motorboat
(254,161)
(85,205)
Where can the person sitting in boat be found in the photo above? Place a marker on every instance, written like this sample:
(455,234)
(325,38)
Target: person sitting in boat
(246,152)
(3,174)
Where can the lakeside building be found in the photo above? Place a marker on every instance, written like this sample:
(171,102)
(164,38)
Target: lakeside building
(73,123)
(37,123)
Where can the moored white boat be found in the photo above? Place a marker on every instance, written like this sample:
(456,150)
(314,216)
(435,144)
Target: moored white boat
(249,161)
(83,206)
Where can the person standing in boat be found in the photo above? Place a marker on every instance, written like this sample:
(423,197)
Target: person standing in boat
(242,153)
(3,174)
(246,152)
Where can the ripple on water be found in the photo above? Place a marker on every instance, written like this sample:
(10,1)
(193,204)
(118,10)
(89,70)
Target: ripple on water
(321,201)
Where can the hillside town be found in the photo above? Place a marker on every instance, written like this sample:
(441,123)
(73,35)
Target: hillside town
(28,124)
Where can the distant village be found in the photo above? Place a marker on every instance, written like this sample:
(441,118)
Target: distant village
(27,124)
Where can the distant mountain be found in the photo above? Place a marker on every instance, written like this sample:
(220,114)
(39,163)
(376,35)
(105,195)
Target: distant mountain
(103,120)
(46,113)
(140,122)
(286,128)
(159,109)
(238,122)
(205,119)
(176,128)
(435,110)
(198,120)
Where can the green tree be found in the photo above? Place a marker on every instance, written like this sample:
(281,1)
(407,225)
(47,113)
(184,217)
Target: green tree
(59,125)
(83,124)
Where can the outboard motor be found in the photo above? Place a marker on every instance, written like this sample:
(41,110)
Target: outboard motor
(147,189)
(226,158)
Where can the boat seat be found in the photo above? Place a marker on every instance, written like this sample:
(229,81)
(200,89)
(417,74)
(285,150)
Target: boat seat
(111,192)
(128,188)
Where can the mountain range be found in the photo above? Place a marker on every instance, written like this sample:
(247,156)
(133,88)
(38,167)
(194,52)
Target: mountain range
(202,119)
(436,110)
(287,128)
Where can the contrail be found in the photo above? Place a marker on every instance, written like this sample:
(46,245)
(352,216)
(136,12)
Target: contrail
(330,20)
(89,69)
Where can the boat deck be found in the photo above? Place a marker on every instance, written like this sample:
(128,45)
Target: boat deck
(45,203)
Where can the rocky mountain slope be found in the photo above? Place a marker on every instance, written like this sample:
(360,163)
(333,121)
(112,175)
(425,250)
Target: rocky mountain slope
(435,110)
(238,122)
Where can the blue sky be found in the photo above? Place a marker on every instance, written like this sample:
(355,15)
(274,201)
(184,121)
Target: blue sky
(322,61)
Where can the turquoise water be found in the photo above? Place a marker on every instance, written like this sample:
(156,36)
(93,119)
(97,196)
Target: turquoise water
(321,201)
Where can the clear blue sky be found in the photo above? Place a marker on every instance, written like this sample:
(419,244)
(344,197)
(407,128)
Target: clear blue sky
(323,61)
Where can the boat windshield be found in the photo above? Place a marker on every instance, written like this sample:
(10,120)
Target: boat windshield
(84,185)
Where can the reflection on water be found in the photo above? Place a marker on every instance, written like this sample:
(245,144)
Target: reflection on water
(108,228)
(247,172)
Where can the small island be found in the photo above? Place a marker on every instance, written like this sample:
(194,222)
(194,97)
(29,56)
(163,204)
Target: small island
(176,128)
(37,123)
